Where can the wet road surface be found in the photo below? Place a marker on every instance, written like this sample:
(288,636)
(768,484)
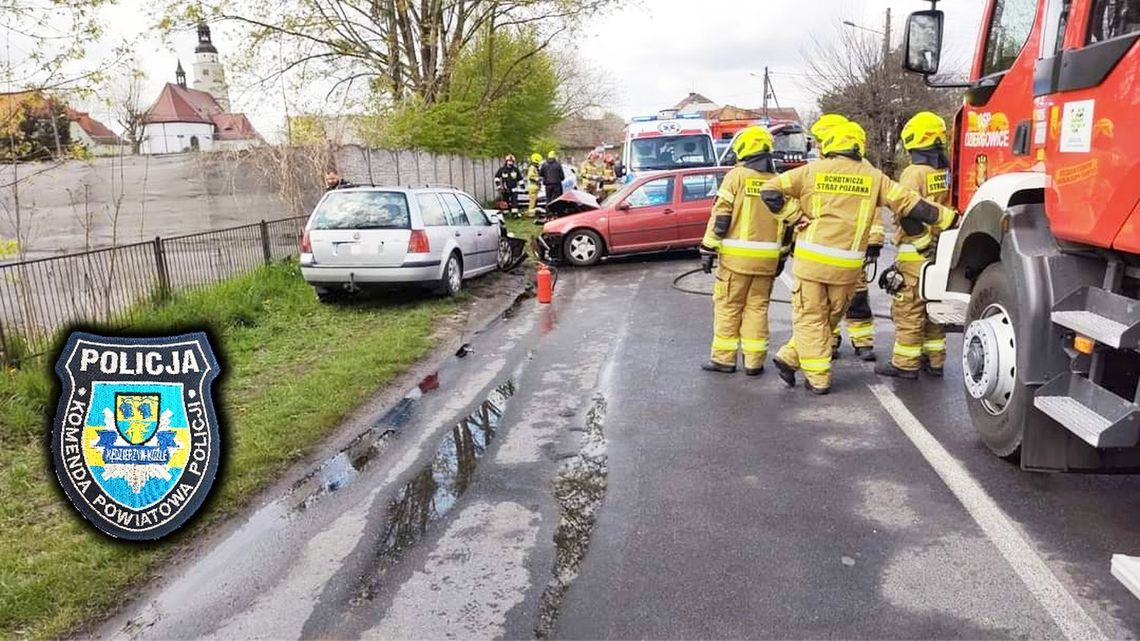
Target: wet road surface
(576,475)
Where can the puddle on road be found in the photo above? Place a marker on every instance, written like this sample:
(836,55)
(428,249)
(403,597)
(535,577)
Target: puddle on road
(343,468)
(579,488)
(431,493)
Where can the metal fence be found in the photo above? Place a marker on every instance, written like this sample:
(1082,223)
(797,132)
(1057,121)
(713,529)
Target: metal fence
(40,297)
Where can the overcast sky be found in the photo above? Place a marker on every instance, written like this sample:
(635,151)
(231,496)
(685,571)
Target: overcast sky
(654,51)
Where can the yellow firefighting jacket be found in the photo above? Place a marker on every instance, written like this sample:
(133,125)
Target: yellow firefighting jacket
(533,179)
(839,196)
(589,171)
(932,184)
(740,228)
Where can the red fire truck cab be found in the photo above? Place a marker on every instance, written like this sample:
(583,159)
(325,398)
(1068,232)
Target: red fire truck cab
(1043,274)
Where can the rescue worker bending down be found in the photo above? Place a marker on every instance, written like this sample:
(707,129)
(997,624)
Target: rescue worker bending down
(837,197)
(747,240)
(858,317)
(533,182)
(507,178)
(918,341)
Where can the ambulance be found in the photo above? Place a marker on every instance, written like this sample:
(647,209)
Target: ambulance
(666,141)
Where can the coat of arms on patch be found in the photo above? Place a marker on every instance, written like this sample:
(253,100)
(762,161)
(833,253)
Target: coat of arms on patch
(135,439)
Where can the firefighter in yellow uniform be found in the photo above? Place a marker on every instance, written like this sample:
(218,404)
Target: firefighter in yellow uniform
(918,341)
(837,197)
(533,182)
(747,240)
(590,174)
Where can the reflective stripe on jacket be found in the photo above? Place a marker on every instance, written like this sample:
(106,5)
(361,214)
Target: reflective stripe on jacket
(751,242)
(840,197)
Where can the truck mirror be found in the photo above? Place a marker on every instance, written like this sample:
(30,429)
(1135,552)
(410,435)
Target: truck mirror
(923,44)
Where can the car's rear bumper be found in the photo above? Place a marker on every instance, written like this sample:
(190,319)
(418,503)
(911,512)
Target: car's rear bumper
(420,272)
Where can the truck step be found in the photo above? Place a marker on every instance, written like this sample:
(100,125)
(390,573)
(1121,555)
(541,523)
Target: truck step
(951,315)
(1099,417)
(1127,570)
(1102,316)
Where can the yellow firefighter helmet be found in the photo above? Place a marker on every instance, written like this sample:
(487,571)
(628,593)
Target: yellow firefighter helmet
(924,129)
(825,123)
(751,141)
(848,136)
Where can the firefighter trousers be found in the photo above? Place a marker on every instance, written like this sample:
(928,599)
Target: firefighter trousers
(915,335)
(740,317)
(532,194)
(816,308)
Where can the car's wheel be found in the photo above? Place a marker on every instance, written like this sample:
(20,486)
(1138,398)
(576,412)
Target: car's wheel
(582,247)
(998,400)
(452,281)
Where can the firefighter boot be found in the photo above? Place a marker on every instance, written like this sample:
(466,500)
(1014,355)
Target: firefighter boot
(787,361)
(713,366)
(889,369)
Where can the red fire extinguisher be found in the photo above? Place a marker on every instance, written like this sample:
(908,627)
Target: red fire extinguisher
(544,280)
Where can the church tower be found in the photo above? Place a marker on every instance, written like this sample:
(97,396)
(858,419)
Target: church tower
(209,76)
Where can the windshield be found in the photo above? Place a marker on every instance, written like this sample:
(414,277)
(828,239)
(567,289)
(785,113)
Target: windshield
(362,210)
(671,152)
(796,142)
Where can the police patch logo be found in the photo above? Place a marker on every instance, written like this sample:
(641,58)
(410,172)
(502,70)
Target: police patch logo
(135,438)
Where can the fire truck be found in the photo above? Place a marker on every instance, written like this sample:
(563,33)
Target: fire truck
(1043,273)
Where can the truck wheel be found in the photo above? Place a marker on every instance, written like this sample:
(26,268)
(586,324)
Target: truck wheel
(582,247)
(998,400)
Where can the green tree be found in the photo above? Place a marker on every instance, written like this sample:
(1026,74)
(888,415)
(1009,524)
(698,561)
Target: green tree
(504,94)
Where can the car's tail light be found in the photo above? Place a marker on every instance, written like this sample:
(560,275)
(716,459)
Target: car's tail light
(306,244)
(418,242)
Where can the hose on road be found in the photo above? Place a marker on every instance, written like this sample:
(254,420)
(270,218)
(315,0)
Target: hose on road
(677,286)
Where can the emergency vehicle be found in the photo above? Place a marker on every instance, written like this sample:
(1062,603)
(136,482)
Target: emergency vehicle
(790,145)
(1043,273)
(666,141)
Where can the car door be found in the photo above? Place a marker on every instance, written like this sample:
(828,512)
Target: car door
(646,218)
(698,193)
(486,234)
(437,226)
(462,232)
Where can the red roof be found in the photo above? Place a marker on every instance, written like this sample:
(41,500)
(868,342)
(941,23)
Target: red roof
(233,127)
(97,130)
(179,104)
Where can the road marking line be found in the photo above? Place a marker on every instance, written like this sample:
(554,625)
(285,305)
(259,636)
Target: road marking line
(1069,616)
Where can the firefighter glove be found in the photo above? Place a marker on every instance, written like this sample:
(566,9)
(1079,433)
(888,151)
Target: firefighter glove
(708,259)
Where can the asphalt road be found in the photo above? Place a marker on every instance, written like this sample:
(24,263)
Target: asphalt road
(576,475)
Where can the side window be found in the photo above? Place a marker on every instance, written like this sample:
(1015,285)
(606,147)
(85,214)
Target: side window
(455,215)
(652,194)
(431,210)
(1010,24)
(1113,18)
(1053,27)
(475,213)
(700,186)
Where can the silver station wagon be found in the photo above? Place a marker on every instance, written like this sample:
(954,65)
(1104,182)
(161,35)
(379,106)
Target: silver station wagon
(377,237)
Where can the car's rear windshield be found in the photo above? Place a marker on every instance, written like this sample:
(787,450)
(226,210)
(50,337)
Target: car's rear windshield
(362,210)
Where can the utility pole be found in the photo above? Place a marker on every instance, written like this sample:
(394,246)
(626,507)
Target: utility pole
(769,91)
(887,37)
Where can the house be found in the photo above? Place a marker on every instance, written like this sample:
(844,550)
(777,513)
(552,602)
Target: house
(578,135)
(694,103)
(185,119)
(94,135)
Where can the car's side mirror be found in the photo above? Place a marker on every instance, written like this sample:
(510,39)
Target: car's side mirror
(923,43)
(624,206)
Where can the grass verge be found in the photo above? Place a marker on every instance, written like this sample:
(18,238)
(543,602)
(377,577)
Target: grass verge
(523,227)
(295,369)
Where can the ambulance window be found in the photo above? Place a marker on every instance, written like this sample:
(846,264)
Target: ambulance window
(1010,24)
(1113,18)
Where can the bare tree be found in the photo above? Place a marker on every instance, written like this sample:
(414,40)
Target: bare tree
(399,48)
(582,88)
(124,98)
(852,77)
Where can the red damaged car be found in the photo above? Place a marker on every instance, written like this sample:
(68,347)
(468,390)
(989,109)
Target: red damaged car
(655,212)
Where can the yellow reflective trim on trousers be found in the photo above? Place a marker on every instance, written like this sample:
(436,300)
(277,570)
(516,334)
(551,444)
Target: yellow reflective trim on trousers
(860,330)
(937,345)
(726,195)
(754,345)
(911,351)
(829,255)
(861,227)
(815,365)
(725,344)
(909,254)
(712,241)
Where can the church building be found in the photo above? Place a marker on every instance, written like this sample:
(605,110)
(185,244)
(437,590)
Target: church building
(199,118)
